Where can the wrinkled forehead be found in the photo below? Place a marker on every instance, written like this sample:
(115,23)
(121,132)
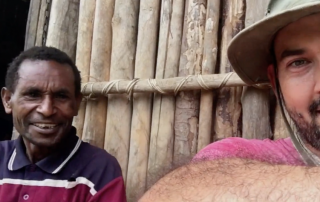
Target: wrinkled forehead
(45,73)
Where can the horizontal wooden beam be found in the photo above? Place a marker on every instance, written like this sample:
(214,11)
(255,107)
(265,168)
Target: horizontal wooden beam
(165,86)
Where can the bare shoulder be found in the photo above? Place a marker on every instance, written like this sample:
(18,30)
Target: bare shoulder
(229,179)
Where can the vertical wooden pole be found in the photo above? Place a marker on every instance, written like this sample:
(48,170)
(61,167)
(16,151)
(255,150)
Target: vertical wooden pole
(187,104)
(141,115)
(280,129)
(63,26)
(124,39)
(41,21)
(228,109)
(208,67)
(162,130)
(255,102)
(32,24)
(83,56)
(96,109)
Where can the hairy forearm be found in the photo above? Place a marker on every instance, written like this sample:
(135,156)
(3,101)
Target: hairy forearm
(237,180)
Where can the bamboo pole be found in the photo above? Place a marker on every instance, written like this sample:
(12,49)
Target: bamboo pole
(141,113)
(83,56)
(255,102)
(124,24)
(32,24)
(212,81)
(208,67)
(228,109)
(187,103)
(162,131)
(63,26)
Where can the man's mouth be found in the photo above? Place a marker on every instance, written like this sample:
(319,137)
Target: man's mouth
(45,125)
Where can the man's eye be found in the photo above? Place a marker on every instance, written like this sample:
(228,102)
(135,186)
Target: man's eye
(298,63)
(33,94)
(61,96)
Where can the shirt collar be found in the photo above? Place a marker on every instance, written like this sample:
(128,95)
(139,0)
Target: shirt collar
(51,164)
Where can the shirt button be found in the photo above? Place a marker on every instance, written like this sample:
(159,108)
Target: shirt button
(26,197)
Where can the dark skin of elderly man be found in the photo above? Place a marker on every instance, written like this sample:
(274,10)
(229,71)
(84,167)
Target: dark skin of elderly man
(48,162)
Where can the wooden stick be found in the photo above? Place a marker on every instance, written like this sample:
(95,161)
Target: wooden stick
(169,85)
(32,24)
(162,131)
(280,129)
(83,57)
(96,110)
(187,104)
(63,26)
(141,114)
(208,67)
(41,21)
(255,102)
(228,109)
(125,22)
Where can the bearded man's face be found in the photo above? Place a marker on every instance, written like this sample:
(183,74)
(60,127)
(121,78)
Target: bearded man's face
(297,54)
(310,131)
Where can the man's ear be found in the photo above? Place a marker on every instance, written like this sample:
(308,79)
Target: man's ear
(78,102)
(6,99)
(272,77)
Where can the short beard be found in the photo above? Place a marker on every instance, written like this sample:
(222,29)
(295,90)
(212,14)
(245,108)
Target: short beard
(309,132)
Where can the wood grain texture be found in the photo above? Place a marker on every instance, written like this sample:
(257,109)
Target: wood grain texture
(145,63)
(209,64)
(162,128)
(32,24)
(228,108)
(213,81)
(255,102)
(187,103)
(41,22)
(83,53)
(63,26)
(96,110)
(119,112)
(280,128)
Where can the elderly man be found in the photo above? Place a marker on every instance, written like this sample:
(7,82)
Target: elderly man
(48,162)
(284,47)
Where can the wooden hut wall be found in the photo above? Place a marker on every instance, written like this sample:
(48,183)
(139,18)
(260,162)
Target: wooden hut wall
(150,133)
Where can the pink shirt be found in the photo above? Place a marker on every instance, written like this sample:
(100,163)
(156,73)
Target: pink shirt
(279,151)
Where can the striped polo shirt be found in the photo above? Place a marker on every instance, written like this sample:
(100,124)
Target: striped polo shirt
(76,172)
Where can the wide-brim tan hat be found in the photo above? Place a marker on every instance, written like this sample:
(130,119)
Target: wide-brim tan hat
(250,51)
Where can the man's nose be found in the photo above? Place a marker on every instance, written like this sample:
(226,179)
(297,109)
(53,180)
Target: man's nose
(46,108)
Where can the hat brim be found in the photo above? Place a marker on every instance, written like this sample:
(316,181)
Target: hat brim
(249,51)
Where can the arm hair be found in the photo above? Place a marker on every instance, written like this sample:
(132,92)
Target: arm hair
(237,180)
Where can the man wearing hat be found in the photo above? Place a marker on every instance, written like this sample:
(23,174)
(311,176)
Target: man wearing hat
(284,49)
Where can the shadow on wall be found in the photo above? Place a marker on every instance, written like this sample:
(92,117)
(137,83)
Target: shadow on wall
(13,19)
